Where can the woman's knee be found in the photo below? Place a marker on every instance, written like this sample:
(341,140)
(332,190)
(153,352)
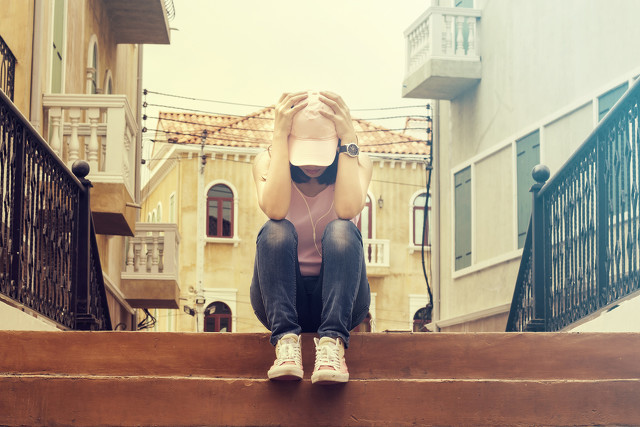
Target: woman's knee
(342,234)
(277,234)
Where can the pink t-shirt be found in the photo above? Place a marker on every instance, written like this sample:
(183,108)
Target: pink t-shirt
(320,210)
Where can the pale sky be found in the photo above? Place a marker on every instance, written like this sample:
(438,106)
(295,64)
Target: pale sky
(250,51)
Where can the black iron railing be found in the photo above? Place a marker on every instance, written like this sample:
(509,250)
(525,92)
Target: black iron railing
(7,69)
(584,251)
(45,230)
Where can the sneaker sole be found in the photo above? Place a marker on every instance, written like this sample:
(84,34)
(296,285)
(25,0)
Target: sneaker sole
(285,373)
(329,377)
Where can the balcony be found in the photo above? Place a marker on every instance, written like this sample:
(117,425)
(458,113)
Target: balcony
(442,55)
(100,129)
(376,254)
(150,279)
(140,21)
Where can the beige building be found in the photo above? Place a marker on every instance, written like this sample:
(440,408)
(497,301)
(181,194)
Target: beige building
(516,84)
(205,186)
(72,69)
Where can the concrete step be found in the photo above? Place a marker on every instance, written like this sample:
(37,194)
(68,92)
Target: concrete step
(129,378)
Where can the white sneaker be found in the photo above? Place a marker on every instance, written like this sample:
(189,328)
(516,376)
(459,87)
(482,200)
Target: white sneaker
(330,368)
(288,363)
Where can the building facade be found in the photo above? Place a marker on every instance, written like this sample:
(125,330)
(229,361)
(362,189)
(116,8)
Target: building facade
(516,84)
(204,184)
(72,69)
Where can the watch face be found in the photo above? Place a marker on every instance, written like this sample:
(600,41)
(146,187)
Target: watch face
(352,150)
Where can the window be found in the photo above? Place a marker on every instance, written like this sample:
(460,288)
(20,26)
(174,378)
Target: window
(57,65)
(108,84)
(365,223)
(220,211)
(464,3)
(159,209)
(217,317)
(92,67)
(608,100)
(527,157)
(418,221)
(365,325)
(462,199)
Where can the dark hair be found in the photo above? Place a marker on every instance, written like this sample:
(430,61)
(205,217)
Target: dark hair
(327,177)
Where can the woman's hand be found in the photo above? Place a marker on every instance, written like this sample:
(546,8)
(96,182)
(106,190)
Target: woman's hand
(341,117)
(287,107)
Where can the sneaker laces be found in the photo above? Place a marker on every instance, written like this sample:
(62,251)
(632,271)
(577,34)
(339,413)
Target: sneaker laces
(289,351)
(327,355)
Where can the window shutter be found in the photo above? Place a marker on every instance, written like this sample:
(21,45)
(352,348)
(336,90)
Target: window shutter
(528,156)
(608,100)
(462,182)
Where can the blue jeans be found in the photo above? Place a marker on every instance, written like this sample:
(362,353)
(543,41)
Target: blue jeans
(331,304)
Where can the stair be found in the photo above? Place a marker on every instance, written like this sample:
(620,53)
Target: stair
(171,379)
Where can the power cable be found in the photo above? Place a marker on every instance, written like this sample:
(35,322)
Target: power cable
(213,113)
(232,126)
(146,91)
(265,141)
(427,315)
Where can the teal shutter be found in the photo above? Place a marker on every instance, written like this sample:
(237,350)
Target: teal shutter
(608,100)
(528,156)
(462,182)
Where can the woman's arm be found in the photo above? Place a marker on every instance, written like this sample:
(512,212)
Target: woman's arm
(271,171)
(354,173)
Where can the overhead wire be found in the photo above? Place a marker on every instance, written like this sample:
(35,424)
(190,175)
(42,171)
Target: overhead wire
(232,126)
(213,113)
(264,141)
(146,91)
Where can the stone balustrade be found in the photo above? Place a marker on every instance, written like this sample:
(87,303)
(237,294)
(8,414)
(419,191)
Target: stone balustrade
(100,129)
(442,32)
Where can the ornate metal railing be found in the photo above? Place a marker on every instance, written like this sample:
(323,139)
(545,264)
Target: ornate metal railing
(7,69)
(585,228)
(45,230)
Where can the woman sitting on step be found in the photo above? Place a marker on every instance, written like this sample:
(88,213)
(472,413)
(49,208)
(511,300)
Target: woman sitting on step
(309,273)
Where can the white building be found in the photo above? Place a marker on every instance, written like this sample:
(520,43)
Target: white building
(515,84)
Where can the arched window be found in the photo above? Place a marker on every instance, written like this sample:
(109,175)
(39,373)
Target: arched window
(92,66)
(418,221)
(421,319)
(365,223)
(217,317)
(365,325)
(108,83)
(220,211)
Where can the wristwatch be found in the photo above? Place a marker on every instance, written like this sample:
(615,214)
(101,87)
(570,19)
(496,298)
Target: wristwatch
(351,149)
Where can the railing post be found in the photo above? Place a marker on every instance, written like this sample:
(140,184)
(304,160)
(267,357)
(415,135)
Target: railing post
(17,212)
(82,296)
(540,174)
(603,257)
